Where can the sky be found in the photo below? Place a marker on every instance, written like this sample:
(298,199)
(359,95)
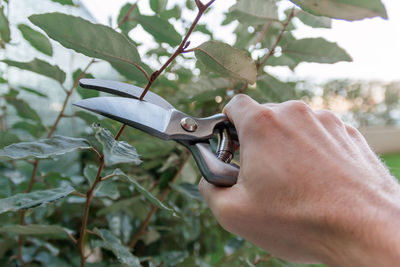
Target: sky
(374,44)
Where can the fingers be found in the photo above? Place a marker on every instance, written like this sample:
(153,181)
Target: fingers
(237,107)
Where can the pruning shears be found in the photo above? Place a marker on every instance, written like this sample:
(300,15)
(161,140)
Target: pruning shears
(156,116)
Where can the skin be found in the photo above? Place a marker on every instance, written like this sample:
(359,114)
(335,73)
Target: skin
(310,188)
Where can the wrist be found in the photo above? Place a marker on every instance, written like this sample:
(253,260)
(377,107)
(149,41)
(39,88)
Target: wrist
(370,237)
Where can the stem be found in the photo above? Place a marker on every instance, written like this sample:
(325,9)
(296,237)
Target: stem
(263,32)
(272,50)
(89,198)
(181,49)
(69,93)
(36,162)
(146,222)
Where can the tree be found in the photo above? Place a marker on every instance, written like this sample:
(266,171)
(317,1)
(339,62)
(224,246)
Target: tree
(70,201)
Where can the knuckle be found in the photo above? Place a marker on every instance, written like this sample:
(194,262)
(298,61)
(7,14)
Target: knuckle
(327,117)
(353,132)
(238,100)
(299,107)
(264,114)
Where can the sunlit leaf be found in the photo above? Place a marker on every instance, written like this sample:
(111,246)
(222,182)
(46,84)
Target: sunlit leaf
(226,60)
(33,199)
(44,148)
(115,152)
(39,66)
(254,11)
(339,9)
(83,37)
(316,50)
(160,29)
(120,251)
(147,194)
(314,21)
(158,5)
(4,27)
(36,39)
(275,89)
(36,229)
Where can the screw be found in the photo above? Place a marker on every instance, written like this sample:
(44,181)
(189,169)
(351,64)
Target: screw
(189,124)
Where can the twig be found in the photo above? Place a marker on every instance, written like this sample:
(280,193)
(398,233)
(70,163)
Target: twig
(263,32)
(69,93)
(36,162)
(272,49)
(89,198)
(184,44)
(154,209)
(108,177)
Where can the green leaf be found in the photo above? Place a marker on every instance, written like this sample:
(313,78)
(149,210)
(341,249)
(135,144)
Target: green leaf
(158,5)
(84,37)
(344,9)
(275,89)
(44,148)
(132,74)
(130,22)
(316,50)
(188,190)
(7,138)
(160,29)
(106,188)
(36,130)
(23,109)
(4,27)
(5,187)
(254,11)
(34,199)
(36,229)
(33,91)
(147,194)
(84,93)
(40,67)
(115,152)
(314,21)
(36,39)
(65,2)
(226,60)
(120,251)
(2,80)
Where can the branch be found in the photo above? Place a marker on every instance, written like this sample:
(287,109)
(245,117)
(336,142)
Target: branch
(272,50)
(154,209)
(181,49)
(69,93)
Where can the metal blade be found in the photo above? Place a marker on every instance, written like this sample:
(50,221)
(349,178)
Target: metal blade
(124,90)
(144,116)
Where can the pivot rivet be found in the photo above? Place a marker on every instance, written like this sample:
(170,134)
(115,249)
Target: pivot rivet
(189,124)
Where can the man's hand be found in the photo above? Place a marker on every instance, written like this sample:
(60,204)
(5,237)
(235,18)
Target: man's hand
(310,188)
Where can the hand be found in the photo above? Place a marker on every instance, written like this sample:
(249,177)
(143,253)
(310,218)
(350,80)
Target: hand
(310,189)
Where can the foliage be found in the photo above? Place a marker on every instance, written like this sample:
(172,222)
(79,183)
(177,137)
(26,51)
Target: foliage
(90,198)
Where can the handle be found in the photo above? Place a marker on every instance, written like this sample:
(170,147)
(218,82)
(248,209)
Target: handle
(216,168)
